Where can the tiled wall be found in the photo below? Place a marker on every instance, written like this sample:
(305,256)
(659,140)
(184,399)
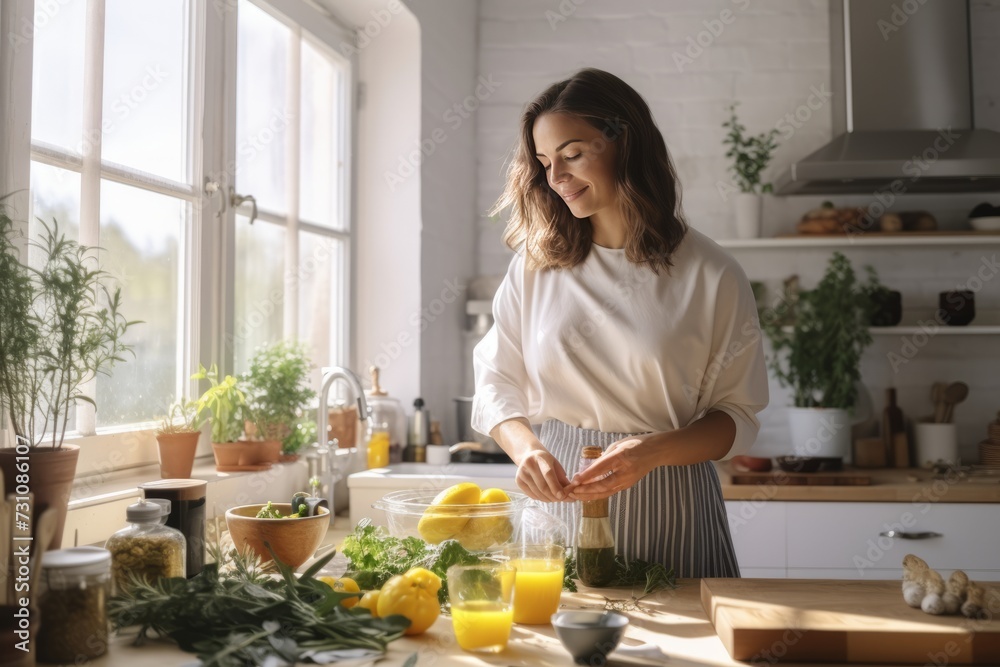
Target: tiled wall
(770,56)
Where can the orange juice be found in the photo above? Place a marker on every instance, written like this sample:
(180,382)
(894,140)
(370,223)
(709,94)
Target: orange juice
(378,450)
(482,625)
(537,589)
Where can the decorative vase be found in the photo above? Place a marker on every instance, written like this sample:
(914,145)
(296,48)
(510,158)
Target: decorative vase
(177,454)
(747,207)
(888,309)
(820,432)
(51,474)
(227,453)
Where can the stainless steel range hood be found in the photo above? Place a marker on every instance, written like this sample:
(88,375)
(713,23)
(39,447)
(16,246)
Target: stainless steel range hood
(902,95)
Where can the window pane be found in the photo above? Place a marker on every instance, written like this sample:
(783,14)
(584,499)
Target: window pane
(320,189)
(322,311)
(140,239)
(145,83)
(260,287)
(55,195)
(262,119)
(57,73)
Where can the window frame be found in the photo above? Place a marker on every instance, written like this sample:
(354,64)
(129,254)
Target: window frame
(207,257)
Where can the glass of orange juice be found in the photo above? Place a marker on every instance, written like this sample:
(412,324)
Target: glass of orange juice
(482,609)
(378,447)
(539,581)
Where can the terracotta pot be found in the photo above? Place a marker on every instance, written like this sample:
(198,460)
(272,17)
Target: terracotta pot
(251,452)
(227,453)
(177,454)
(51,479)
(269,451)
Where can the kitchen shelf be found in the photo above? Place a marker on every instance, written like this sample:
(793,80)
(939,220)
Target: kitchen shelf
(987,322)
(869,239)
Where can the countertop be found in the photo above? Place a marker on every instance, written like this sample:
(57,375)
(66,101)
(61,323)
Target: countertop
(887,485)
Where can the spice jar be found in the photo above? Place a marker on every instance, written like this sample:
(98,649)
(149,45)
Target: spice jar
(147,549)
(595,542)
(73,597)
(187,514)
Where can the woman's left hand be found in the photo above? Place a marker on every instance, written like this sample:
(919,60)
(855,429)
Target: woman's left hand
(627,461)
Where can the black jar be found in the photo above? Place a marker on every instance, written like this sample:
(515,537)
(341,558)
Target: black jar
(187,514)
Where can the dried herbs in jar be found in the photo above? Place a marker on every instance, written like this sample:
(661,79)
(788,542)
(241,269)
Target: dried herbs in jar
(147,549)
(75,586)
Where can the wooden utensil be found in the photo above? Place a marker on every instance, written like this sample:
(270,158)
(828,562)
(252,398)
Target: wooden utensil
(937,398)
(954,394)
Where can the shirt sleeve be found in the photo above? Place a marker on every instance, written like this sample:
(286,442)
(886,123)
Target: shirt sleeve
(498,359)
(736,378)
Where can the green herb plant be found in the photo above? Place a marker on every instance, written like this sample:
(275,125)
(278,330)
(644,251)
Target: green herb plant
(231,615)
(60,325)
(750,154)
(277,390)
(225,402)
(182,417)
(818,337)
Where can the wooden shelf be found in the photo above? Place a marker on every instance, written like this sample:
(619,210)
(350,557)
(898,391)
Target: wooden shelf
(868,239)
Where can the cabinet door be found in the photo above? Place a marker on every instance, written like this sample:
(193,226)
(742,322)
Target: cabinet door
(758,530)
(848,536)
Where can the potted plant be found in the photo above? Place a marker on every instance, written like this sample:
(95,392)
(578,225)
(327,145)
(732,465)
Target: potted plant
(277,393)
(60,325)
(750,155)
(303,434)
(887,304)
(177,439)
(225,403)
(818,338)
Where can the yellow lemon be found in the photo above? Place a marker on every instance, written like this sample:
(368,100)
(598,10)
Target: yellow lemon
(481,533)
(343,585)
(439,522)
(369,601)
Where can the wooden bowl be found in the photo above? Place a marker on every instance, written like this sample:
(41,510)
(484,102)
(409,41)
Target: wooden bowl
(294,541)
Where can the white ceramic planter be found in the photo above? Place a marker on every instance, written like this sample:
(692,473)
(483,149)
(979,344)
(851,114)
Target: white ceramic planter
(747,208)
(822,432)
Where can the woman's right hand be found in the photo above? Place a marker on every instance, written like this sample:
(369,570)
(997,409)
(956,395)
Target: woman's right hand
(541,476)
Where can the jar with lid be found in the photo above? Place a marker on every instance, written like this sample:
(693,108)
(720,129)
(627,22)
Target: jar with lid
(148,548)
(73,597)
(378,445)
(187,514)
(388,411)
(595,541)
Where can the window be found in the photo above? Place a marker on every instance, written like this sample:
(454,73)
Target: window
(130,122)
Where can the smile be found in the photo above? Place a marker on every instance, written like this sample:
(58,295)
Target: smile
(574,195)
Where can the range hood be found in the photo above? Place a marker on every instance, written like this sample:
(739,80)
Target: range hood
(901,88)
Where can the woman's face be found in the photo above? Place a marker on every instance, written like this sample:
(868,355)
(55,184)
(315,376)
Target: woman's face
(579,162)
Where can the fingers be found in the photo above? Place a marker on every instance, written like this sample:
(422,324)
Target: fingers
(598,469)
(542,478)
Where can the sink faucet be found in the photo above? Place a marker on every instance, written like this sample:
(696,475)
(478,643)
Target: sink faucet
(322,460)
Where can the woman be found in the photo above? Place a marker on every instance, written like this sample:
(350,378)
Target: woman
(618,325)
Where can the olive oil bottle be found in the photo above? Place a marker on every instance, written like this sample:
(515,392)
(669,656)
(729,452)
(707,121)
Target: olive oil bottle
(595,543)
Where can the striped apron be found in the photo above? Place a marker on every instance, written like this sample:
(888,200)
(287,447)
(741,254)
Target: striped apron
(675,515)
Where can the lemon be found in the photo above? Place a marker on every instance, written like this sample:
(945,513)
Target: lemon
(481,533)
(439,522)
(369,601)
(343,585)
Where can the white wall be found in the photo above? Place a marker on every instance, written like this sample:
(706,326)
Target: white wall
(770,56)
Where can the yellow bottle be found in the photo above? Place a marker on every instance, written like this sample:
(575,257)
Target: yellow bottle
(378,447)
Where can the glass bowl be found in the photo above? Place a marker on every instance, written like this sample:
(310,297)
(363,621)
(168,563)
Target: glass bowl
(481,527)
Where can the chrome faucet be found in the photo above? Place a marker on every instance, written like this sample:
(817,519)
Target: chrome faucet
(322,459)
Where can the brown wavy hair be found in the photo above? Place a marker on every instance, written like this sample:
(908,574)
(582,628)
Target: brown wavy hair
(647,187)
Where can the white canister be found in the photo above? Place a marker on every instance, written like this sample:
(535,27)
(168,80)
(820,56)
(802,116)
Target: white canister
(936,442)
(438,455)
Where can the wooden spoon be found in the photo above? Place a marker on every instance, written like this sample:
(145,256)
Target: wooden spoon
(955,393)
(937,398)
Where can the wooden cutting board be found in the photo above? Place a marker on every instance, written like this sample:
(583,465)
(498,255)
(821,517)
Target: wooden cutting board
(802,478)
(768,621)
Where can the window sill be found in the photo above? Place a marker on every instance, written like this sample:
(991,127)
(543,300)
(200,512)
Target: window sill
(97,503)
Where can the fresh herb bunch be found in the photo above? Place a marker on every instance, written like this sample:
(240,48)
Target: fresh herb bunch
(277,388)
(225,401)
(751,154)
(818,337)
(61,326)
(302,435)
(232,620)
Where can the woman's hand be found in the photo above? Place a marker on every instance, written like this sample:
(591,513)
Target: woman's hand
(541,477)
(622,465)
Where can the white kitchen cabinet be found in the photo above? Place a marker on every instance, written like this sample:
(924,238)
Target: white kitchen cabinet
(841,540)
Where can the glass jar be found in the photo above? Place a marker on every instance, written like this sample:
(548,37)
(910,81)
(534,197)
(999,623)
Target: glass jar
(187,514)
(388,411)
(148,548)
(595,542)
(73,597)
(378,446)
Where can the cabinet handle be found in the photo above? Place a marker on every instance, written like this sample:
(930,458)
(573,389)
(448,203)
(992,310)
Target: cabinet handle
(907,535)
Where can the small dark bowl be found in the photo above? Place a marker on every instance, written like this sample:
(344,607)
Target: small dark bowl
(589,635)
(809,463)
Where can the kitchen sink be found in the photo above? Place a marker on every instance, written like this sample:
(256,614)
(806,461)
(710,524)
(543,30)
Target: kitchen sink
(370,485)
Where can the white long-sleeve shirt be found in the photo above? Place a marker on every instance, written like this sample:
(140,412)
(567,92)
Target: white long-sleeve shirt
(610,345)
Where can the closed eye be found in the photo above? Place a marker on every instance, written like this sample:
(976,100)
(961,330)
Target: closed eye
(568,158)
